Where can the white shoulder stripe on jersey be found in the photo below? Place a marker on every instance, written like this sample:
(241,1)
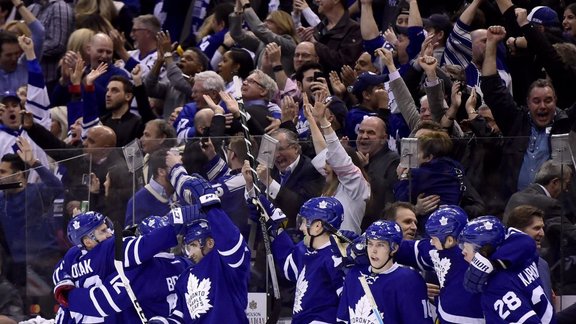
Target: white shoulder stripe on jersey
(289,263)
(127,248)
(137,250)
(239,263)
(95,301)
(457,318)
(525,317)
(234,249)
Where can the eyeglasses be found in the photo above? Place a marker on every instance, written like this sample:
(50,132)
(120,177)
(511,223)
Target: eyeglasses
(252,81)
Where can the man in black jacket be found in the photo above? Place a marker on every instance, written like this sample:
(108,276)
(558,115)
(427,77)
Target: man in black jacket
(527,129)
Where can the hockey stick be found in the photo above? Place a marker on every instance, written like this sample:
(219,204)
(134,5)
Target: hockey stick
(119,265)
(371,300)
(263,215)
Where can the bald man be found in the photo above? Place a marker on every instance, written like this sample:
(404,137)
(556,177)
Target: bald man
(202,120)
(100,50)
(372,142)
(80,164)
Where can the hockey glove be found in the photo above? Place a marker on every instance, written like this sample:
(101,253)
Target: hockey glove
(62,289)
(276,218)
(202,191)
(181,216)
(477,273)
(356,252)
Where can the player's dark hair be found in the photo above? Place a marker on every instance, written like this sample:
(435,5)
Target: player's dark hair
(128,87)
(16,163)
(389,212)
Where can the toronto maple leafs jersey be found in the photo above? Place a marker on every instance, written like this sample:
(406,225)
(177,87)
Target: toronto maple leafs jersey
(516,297)
(89,268)
(153,284)
(318,275)
(515,294)
(399,293)
(216,289)
(454,304)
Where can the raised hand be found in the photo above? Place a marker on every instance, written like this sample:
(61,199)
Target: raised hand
(348,75)
(386,57)
(306,34)
(163,42)
(75,73)
(495,34)
(337,85)
(521,16)
(390,36)
(96,73)
(428,45)
(300,5)
(471,102)
(216,108)
(137,75)
(456,96)
(231,103)
(382,98)
(319,110)
(247,174)
(25,151)
(26,44)
(428,64)
(274,53)
(289,109)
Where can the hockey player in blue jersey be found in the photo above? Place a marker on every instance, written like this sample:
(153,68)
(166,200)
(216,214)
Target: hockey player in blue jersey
(153,283)
(512,294)
(315,264)
(442,255)
(392,293)
(215,289)
(91,258)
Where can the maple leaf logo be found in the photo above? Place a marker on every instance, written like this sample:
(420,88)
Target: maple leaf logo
(488,225)
(197,296)
(443,221)
(441,266)
(362,312)
(76,225)
(323,204)
(301,287)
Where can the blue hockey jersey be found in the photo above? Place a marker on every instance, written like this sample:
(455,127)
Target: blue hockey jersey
(318,275)
(153,283)
(516,297)
(454,303)
(89,268)
(399,294)
(216,289)
(515,294)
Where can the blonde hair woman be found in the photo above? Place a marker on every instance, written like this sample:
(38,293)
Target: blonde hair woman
(115,12)
(277,28)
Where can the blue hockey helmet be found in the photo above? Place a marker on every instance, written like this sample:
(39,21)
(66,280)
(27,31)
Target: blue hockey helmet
(448,220)
(151,223)
(388,231)
(327,209)
(84,224)
(482,231)
(197,230)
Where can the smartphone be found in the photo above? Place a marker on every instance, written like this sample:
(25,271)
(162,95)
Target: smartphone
(317,76)
(85,179)
(409,153)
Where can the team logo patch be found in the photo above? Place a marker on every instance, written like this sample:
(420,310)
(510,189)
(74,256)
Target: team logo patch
(197,296)
(301,287)
(362,312)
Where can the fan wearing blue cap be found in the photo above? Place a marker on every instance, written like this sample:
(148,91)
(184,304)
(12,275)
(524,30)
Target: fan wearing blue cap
(390,292)
(511,292)
(440,253)
(371,95)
